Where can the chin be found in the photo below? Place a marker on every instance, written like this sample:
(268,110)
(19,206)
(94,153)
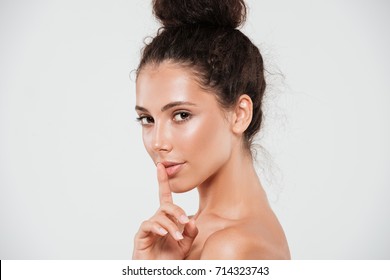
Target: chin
(180,186)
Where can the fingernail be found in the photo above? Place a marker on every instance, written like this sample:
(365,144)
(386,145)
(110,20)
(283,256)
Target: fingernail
(184,219)
(163,231)
(179,235)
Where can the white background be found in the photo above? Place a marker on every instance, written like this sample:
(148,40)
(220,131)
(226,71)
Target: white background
(75,181)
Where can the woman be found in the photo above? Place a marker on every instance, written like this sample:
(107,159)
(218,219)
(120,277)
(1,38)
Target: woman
(200,85)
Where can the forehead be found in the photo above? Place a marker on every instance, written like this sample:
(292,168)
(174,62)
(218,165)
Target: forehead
(159,85)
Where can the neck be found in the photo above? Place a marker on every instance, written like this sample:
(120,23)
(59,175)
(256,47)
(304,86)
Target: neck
(234,191)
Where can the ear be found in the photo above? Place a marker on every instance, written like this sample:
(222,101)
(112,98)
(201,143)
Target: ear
(242,115)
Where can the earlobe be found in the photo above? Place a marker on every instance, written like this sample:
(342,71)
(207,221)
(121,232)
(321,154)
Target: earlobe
(242,114)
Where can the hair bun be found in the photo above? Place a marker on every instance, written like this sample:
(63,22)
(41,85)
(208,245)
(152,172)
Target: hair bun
(176,13)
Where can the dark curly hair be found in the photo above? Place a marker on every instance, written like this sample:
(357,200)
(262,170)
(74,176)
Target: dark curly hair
(203,35)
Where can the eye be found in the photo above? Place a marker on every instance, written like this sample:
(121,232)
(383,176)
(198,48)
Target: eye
(145,120)
(181,116)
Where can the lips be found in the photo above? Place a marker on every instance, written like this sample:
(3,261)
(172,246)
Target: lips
(172,168)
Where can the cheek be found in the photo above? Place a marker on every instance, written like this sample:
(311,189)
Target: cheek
(147,140)
(206,144)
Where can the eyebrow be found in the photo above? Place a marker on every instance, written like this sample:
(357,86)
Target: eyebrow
(166,107)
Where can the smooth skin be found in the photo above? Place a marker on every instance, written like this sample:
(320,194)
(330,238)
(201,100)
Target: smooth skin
(184,123)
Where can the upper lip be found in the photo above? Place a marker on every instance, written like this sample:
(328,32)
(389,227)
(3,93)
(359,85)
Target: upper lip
(170,163)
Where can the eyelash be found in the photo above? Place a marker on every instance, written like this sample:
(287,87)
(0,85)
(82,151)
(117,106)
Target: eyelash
(142,118)
(187,118)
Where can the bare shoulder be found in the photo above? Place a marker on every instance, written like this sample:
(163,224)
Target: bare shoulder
(243,242)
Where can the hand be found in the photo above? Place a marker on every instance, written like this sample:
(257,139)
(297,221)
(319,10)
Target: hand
(160,237)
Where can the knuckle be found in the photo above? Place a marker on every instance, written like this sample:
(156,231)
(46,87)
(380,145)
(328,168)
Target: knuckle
(161,208)
(158,217)
(165,220)
(177,211)
(165,206)
(170,210)
(145,225)
(166,195)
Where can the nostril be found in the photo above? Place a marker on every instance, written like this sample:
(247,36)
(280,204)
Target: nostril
(161,147)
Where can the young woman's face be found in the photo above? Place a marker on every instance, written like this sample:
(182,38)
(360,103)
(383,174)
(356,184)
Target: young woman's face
(183,126)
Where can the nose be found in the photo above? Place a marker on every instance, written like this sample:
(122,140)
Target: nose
(161,139)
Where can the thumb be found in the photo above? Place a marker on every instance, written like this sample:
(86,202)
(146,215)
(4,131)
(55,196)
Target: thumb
(189,234)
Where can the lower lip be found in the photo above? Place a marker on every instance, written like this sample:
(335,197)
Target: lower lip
(174,169)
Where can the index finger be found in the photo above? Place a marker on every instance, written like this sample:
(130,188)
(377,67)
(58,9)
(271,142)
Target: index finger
(165,193)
